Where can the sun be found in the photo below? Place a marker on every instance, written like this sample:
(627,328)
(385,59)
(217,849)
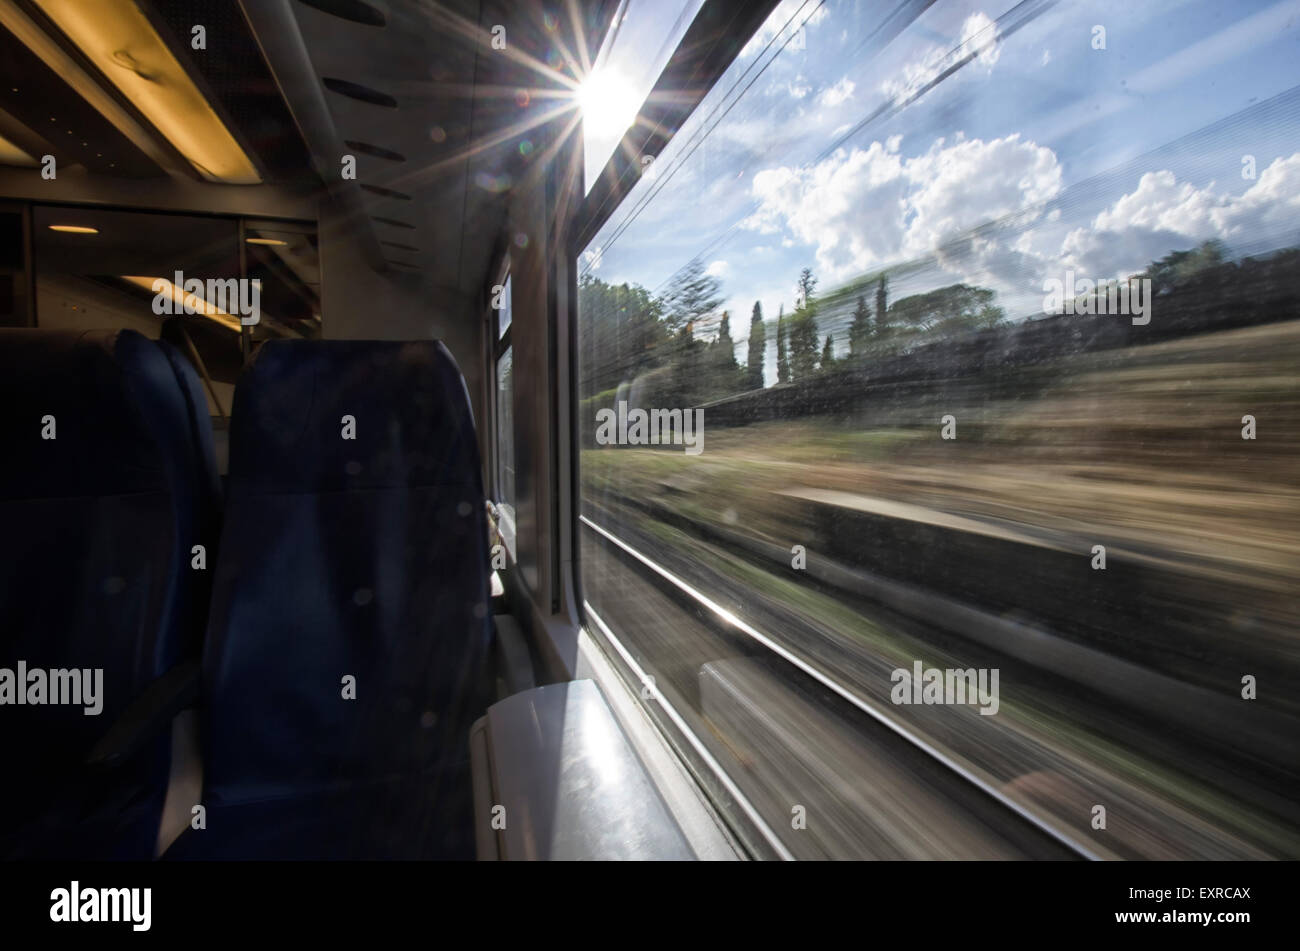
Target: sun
(608,104)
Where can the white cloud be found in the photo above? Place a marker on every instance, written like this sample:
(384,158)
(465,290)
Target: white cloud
(915,75)
(974,182)
(1162,215)
(975,207)
(979,35)
(1047,58)
(824,205)
(979,38)
(832,96)
(1160,202)
(862,208)
(718,269)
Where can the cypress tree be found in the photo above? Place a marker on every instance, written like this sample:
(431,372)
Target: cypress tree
(757,349)
(782,353)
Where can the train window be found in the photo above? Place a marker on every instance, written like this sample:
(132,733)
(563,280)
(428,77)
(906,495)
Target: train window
(97,268)
(922,405)
(187,279)
(503,373)
(13,269)
(285,258)
(501,306)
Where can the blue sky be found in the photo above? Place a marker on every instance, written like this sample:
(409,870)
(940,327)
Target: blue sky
(823,147)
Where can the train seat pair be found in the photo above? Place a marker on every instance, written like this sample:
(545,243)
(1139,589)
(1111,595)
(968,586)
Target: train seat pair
(340,654)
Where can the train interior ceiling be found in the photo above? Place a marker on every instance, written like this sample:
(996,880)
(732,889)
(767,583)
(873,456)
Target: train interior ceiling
(356,358)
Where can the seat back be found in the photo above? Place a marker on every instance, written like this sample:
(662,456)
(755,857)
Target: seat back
(107,484)
(350,625)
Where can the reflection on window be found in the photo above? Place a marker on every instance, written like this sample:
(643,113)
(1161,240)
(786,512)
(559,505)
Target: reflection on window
(503,311)
(14,305)
(989,313)
(97,270)
(504,477)
(182,278)
(287,262)
(506,441)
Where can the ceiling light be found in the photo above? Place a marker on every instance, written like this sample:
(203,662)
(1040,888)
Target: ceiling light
(273,242)
(124,46)
(74,229)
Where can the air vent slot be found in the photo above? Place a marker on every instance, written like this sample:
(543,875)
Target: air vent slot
(359,92)
(386,192)
(358,11)
(393,221)
(365,148)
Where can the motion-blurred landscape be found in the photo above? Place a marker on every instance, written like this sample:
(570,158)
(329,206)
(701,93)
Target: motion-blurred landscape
(1121,686)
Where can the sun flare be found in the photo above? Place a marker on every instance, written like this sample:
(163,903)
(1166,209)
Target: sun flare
(608,104)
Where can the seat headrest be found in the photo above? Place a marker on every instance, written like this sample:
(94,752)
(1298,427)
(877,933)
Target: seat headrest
(96,393)
(328,415)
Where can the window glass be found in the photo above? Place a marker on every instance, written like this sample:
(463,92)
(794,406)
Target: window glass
(13,271)
(641,40)
(287,262)
(101,269)
(506,431)
(502,305)
(181,278)
(504,490)
(957,347)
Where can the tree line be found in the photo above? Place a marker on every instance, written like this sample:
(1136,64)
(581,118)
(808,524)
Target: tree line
(677,349)
(680,343)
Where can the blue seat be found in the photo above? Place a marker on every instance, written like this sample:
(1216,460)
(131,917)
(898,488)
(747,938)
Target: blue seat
(347,648)
(95,572)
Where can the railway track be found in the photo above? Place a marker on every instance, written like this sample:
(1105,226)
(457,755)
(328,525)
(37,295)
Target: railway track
(635,573)
(875,788)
